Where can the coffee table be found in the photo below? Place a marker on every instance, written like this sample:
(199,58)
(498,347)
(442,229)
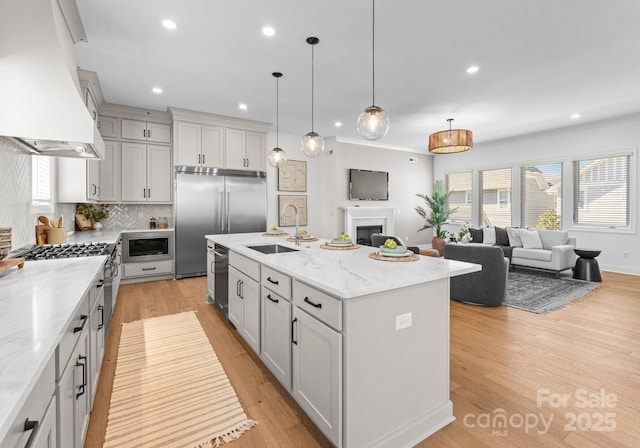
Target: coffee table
(586,265)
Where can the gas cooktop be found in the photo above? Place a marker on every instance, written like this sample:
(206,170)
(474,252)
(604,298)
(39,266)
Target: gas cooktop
(51,252)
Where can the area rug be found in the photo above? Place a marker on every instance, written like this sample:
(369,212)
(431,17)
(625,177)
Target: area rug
(170,390)
(541,292)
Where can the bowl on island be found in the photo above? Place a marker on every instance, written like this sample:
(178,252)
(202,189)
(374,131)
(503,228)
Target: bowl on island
(339,242)
(396,250)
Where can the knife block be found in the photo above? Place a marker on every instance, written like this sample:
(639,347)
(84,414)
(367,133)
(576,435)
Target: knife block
(56,236)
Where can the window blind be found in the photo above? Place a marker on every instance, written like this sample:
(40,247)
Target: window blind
(42,184)
(541,196)
(461,186)
(495,204)
(601,192)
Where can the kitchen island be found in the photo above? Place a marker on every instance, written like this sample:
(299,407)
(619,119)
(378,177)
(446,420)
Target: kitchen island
(361,344)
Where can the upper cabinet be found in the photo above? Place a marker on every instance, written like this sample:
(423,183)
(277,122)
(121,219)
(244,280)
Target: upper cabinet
(109,127)
(216,141)
(146,173)
(199,145)
(146,131)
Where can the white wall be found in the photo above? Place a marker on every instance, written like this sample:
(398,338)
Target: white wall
(328,183)
(620,249)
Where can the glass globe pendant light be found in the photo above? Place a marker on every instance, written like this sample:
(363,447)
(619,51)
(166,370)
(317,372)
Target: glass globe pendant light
(373,122)
(312,143)
(277,156)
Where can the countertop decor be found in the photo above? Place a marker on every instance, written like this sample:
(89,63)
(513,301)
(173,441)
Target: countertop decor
(376,256)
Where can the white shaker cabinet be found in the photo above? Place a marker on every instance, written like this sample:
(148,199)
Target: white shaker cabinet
(275,336)
(78,180)
(96,336)
(146,131)
(109,127)
(110,172)
(244,150)
(199,145)
(244,307)
(146,173)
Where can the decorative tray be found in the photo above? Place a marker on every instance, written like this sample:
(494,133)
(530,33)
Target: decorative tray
(340,247)
(293,239)
(376,256)
(275,234)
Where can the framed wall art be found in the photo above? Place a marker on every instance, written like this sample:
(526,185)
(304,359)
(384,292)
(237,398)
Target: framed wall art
(292,176)
(289,218)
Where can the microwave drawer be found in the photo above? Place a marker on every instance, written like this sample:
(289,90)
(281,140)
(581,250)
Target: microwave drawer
(147,268)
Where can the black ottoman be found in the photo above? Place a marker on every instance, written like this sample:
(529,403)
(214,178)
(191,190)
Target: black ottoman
(587,266)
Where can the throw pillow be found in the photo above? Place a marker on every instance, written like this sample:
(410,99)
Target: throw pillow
(502,238)
(514,237)
(552,238)
(488,235)
(530,239)
(476,235)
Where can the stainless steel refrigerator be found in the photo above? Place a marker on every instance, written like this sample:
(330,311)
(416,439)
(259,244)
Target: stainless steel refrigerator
(210,201)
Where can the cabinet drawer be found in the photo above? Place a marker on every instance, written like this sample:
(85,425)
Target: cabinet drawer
(33,409)
(96,288)
(318,304)
(276,282)
(147,268)
(245,265)
(71,336)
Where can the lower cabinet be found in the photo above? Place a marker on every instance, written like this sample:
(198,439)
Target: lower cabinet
(45,437)
(96,337)
(147,268)
(276,335)
(73,402)
(244,307)
(317,372)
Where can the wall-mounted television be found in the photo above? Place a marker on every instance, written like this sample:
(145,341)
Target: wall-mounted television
(365,185)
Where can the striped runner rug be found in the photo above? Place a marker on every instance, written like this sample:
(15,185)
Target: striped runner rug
(170,390)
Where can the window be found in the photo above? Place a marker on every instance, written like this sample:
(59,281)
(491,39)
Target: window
(602,200)
(460,186)
(495,206)
(541,196)
(42,184)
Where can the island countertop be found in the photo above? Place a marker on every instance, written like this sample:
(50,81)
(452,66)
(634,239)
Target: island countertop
(38,303)
(344,274)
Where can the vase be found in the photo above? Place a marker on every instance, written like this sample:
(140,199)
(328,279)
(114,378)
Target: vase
(438,244)
(97,226)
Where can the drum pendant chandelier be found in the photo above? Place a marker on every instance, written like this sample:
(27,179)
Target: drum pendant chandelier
(312,143)
(277,156)
(373,122)
(450,141)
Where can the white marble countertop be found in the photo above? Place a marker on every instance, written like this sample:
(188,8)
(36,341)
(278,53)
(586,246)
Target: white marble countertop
(343,273)
(105,236)
(37,304)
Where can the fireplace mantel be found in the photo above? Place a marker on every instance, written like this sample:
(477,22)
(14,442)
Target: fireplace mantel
(366,216)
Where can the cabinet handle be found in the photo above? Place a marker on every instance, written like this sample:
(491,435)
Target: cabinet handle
(238,288)
(199,158)
(272,299)
(144,132)
(100,284)
(81,327)
(275,282)
(203,159)
(148,193)
(317,305)
(144,192)
(247,162)
(30,425)
(148,133)
(149,269)
(101,326)
(295,319)
(84,375)
(242,289)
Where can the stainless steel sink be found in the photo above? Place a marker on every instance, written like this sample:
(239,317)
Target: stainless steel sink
(272,249)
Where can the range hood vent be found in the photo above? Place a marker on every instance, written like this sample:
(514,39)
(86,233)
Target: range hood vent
(40,101)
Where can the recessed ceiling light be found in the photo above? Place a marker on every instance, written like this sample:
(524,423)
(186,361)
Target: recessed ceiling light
(242,106)
(268,31)
(157,90)
(169,24)
(473,69)
(338,124)
(574,116)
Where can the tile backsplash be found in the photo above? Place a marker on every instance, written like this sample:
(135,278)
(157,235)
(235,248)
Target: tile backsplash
(135,216)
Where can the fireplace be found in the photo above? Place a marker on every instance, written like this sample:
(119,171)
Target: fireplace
(363,234)
(368,217)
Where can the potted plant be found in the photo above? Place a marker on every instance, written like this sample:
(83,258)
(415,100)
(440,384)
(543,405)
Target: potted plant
(437,215)
(95,213)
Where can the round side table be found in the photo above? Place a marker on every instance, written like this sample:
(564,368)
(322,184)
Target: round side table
(586,265)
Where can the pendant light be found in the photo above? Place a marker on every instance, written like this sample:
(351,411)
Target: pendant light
(450,141)
(312,143)
(277,156)
(373,122)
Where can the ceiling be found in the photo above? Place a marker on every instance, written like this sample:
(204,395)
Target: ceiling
(540,61)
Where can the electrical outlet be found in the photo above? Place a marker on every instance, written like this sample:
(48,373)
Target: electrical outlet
(625,255)
(403,321)
(140,215)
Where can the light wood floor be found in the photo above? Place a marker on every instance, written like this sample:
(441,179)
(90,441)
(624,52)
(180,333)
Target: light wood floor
(501,359)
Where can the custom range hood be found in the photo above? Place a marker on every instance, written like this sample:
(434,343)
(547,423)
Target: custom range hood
(41,108)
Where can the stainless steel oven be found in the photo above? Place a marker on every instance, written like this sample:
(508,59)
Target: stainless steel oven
(147,246)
